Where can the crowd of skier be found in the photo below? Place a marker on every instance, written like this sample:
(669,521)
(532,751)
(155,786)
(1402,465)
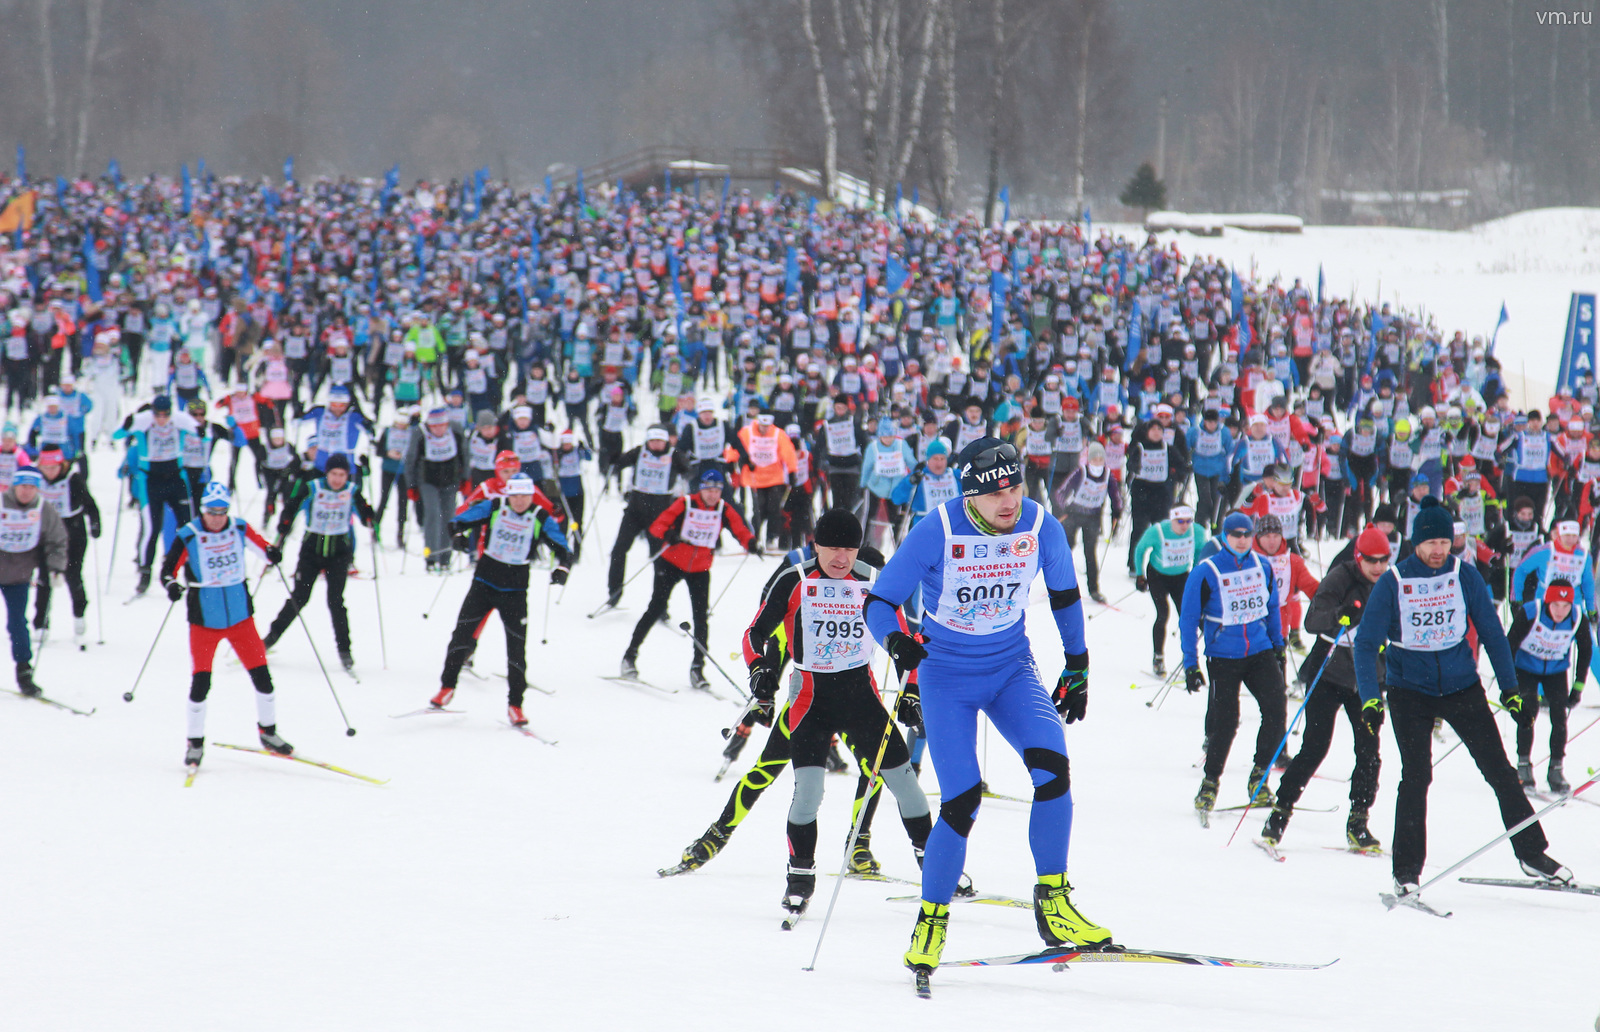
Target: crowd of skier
(923,414)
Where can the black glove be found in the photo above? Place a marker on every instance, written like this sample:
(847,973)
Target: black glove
(558,576)
(763,682)
(1350,611)
(1574,695)
(906,650)
(760,711)
(1192,681)
(754,547)
(1140,583)
(1282,653)
(274,555)
(1072,689)
(1372,714)
(1512,701)
(174,590)
(909,710)
(94,528)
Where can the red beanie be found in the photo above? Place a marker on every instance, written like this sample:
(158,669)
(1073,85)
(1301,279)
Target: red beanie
(1373,544)
(1558,591)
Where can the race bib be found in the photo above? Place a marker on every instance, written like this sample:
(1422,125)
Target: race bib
(836,634)
(842,438)
(1547,643)
(652,474)
(1243,594)
(220,558)
(1433,612)
(1177,553)
(19,529)
(701,527)
(986,578)
(936,490)
(330,510)
(511,536)
(890,464)
(439,447)
(763,448)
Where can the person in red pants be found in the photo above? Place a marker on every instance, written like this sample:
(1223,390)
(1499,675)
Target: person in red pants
(211,552)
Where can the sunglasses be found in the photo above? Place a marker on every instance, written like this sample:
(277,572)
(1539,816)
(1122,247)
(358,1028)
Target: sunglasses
(1240,534)
(994,455)
(1376,560)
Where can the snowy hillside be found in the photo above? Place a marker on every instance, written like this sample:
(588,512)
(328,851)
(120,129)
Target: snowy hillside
(499,883)
(1532,261)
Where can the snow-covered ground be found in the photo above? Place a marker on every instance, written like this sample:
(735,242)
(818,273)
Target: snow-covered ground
(496,882)
(1532,261)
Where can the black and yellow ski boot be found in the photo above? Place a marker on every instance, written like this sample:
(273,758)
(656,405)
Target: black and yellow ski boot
(1061,923)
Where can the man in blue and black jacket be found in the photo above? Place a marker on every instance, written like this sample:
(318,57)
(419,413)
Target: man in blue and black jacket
(1421,609)
(1234,594)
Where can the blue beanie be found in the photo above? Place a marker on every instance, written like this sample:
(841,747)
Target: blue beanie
(887,427)
(1237,521)
(1433,522)
(938,446)
(1419,479)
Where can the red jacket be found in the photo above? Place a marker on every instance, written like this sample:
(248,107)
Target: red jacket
(1293,580)
(685,556)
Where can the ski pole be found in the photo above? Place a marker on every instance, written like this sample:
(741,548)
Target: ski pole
(1112,605)
(1508,833)
(442,582)
(1166,686)
(706,654)
(1344,625)
(861,813)
(728,585)
(127,696)
(116,528)
(383,643)
(544,634)
(631,578)
(99,603)
(301,616)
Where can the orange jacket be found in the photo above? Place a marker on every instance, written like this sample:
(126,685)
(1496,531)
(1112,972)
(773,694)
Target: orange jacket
(771,474)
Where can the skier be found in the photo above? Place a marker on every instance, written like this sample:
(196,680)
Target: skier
(831,691)
(975,564)
(160,439)
(687,530)
(1420,611)
(1341,597)
(1081,499)
(326,550)
(393,445)
(32,538)
(512,528)
(65,489)
(436,464)
(1231,593)
(655,469)
(211,552)
(1164,556)
(1542,636)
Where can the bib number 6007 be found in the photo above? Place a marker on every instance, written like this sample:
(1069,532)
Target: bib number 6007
(981,592)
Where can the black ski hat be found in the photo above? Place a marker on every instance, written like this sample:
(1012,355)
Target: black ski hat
(838,528)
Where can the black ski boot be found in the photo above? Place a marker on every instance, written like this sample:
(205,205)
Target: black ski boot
(195,753)
(1158,665)
(144,581)
(25,683)
(347,661)
(1277,822)
(697,853)
(1546,867)
(1525,775)
(1355,832)
(1558,781)
(834,763)
(273,742)
(802,883)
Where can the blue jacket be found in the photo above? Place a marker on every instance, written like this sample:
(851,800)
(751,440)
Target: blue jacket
(1537,563)
(215,608)
(1534,613)
(1219,464)
(1432,673)
(1202,603)
(879,486)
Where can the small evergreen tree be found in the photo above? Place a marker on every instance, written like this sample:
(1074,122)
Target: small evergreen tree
(1144,191)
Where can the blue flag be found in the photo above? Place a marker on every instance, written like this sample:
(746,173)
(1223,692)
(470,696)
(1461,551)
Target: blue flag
(547,186)
(22,162)
(1319,285)
(288,169)
(1372,344)
(726,180)
(1135,335)
(188,188)
(477,190)
(669,178)
(1005,199)
(582,200)
(1088,226)
(998,286)
(61,187)
(114,171)
(791,272)
(897,201)
(269,199)
(677,288)
(1239,316)
(418,251)
(91,271)
(1504,318)
(915,196)
(894,275)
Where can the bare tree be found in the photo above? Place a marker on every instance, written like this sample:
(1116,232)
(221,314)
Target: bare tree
(1080,148)
(830,126)
(931,20)
(997,97)
(948,156)
(47,72)
(92,10)
(1440,10)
